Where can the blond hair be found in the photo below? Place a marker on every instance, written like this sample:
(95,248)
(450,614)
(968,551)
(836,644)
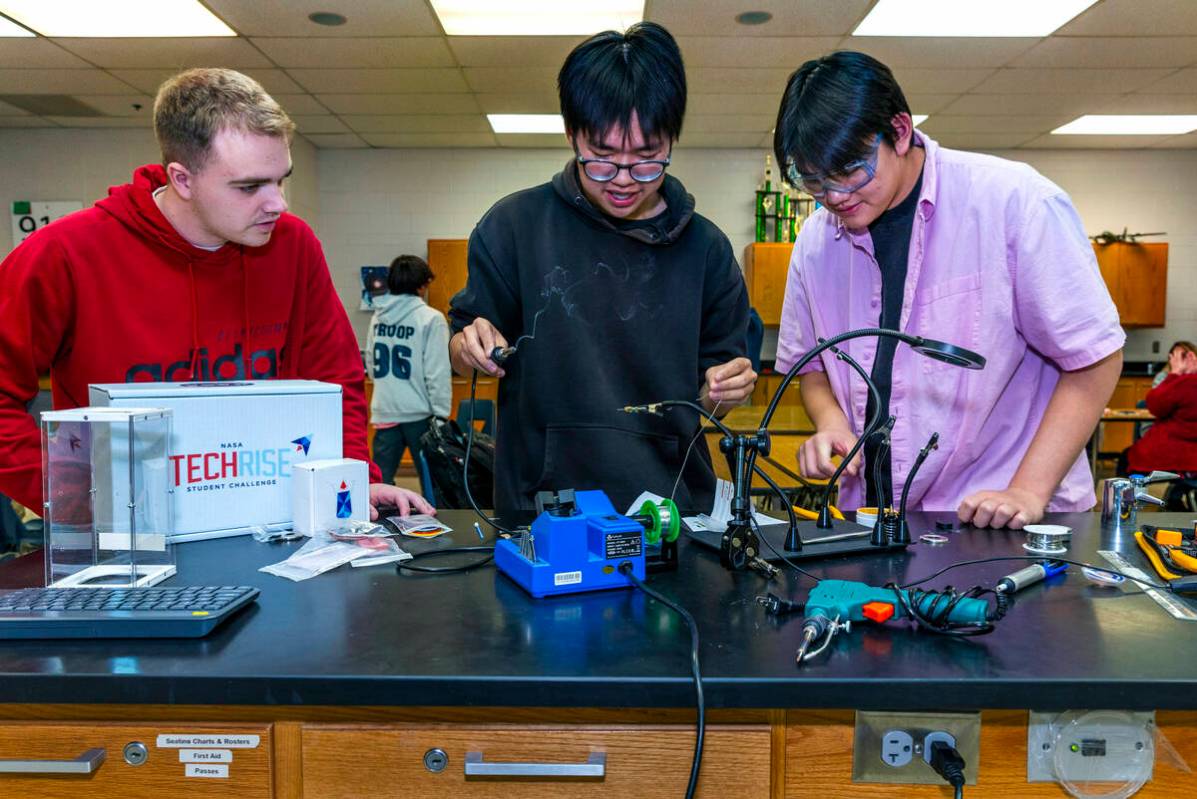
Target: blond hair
(193,106)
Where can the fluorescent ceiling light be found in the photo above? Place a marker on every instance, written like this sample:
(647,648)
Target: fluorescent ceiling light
(968,17)
(1130,124)
(526,123)
(8,28)
(919,119)
(116,18)
(535,17)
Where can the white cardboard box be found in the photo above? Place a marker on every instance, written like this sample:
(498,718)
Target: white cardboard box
(329,493)
(234,446)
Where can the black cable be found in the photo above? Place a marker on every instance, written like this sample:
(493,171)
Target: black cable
(1037,559)
(933,443)
(465,467)
(408,565)
(700,732)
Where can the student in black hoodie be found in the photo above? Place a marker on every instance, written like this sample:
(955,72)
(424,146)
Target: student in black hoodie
(612,291)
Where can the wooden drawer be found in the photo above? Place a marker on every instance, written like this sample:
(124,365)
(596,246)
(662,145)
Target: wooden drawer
(159,777)
(361,761)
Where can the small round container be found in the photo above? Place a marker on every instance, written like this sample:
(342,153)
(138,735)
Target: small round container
(1047,539)
(866,517)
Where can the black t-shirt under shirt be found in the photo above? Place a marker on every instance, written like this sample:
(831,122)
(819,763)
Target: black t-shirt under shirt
(891,246)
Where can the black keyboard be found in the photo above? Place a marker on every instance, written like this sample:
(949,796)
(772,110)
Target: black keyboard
(182,612)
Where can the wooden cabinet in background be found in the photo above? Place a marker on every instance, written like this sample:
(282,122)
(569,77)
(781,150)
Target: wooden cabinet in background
(1128,393)
(765,267)
(1137,277)
(447,257)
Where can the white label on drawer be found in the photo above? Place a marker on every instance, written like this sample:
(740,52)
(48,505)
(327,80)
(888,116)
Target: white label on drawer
(567,578)
(205,755)
(216,771)
(184,741)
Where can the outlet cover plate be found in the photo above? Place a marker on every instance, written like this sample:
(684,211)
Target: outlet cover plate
(871,727)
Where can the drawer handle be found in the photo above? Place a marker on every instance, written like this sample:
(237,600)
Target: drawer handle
(595,767)
(86,763)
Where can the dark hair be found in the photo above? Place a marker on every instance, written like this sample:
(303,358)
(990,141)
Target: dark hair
(409,274)
(611,74)
(832,109)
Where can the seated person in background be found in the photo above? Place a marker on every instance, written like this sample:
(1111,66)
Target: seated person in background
(194,271)
(613,291)
(1171,443)
(981,252)
(408,357)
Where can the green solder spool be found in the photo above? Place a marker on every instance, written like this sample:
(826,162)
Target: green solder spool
(660,520)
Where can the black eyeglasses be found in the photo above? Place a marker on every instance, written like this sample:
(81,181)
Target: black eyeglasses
(604,171)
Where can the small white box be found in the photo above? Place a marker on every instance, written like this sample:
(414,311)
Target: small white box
(234,446)
(329,493)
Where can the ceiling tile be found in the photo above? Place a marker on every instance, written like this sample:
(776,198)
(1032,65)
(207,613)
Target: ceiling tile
(728,123)
(99,122)
(755,51)
(7,110)
(1066,142)
(274,81)
(808,18)
(709,80)
(1134,18)
(539,103)
(37,53)
(937,51)
(419,123)
(1187,141)
(1122,52)
(26,122)
(59,81)
(539,141)
(1061,81)
(121,105)
(1150,104)
(1182,82)
(365,52)
(300,104)
(319,123)
(732,104)
(430,139)
(929,103)
(380,81)
(1027,104)
(400,103)
(336,141)
(983,141)
(512,51)
(943,124)
(511,80)
(915,80)
(363,17)
(695,140)
(177,54)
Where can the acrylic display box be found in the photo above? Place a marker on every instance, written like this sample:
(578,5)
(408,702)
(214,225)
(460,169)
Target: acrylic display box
(107,497)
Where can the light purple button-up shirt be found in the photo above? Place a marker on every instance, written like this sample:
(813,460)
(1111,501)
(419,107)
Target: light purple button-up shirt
(999,264)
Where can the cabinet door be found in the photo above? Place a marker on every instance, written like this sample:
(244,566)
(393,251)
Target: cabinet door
(240,773)
(359,762)
(447,257)
(1137,277)
(765,268)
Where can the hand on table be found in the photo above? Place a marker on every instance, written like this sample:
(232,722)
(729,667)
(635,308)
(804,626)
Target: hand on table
(1013,508)
(384,495)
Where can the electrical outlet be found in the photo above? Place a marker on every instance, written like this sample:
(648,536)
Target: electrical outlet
(894,747)
(897,748)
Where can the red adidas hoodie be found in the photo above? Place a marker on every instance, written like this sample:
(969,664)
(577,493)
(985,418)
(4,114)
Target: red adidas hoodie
(113,294)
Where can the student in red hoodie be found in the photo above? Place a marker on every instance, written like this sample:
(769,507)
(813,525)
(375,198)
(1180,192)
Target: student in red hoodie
(194,271)
(1171,443)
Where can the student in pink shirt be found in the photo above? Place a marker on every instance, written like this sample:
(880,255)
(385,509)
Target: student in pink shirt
(981,252)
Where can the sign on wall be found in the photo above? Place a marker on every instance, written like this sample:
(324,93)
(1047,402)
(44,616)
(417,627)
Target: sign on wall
(29,215)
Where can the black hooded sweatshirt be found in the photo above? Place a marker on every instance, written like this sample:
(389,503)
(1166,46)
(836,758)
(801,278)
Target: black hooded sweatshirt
(612,313)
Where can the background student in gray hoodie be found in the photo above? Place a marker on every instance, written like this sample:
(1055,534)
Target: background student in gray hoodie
(408,352)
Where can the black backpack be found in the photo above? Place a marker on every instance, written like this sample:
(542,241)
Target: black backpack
(444,451)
